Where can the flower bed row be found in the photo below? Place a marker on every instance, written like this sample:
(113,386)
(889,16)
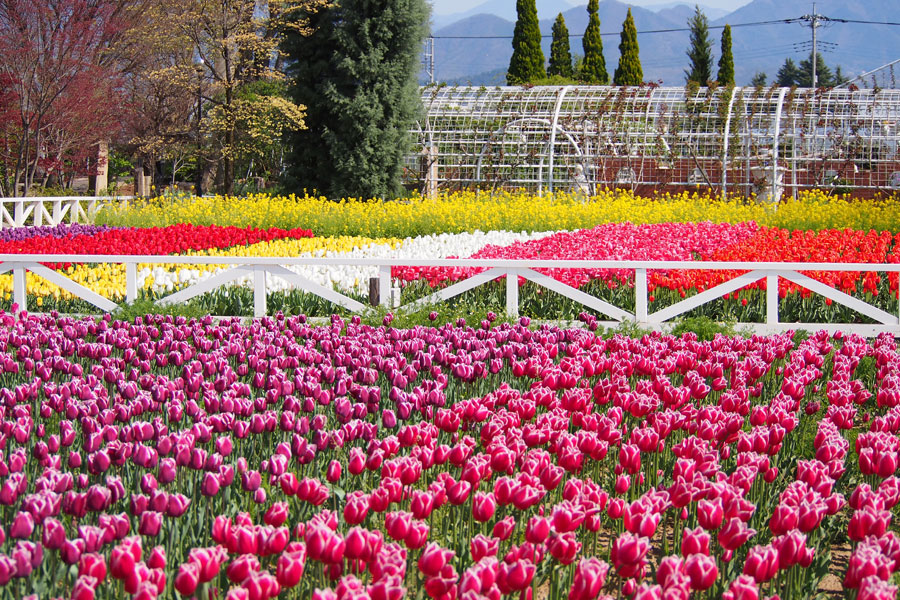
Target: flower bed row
(165,457)
(746,242)
(504,211)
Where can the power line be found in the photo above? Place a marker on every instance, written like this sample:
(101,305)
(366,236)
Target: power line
(862,22)
(612,33)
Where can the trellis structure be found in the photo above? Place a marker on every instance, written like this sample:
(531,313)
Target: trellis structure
(762,141)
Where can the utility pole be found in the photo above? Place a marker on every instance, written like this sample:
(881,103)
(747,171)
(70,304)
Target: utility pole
(813,21)
(428,58)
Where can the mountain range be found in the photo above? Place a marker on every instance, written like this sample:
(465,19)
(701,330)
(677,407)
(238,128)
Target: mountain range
(476,47)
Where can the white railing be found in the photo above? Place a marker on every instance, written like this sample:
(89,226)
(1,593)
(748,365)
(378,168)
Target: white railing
(257,268)
(15,212)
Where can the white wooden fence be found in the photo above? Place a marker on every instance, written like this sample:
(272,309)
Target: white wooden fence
(18,212)
(258,267)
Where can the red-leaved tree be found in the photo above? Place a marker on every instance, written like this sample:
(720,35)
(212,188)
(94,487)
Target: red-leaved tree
(58,85)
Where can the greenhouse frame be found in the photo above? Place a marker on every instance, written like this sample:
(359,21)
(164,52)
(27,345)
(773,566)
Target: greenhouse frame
(753,142)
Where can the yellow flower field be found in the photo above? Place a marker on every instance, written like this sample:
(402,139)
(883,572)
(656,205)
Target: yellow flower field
(108,280)
(510,211)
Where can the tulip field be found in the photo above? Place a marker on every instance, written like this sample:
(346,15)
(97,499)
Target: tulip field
(172,458)
(332,459)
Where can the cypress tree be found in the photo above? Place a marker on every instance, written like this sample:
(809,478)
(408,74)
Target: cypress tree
(357,75)
(527,62)
(593,68)
(629,71)
(700,51)
(560,54)
(726,60)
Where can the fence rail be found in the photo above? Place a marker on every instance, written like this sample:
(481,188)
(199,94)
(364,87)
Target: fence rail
(18,212)
(257,268)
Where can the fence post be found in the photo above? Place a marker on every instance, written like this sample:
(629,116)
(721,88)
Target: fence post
(512,292)
(771,299)
(20,287)
(259,291)
(130,282)
(640,295)
(384,285)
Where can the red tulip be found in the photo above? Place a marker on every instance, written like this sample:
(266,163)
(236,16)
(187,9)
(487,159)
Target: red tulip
(504,528)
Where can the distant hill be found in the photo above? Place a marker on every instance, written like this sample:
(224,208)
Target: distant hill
(505,9)
(759,48)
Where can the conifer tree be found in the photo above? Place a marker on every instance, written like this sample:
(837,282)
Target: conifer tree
(560,54)
(593,67)
(629,71)
(700,51)
(357,75)
(527,62)
(726,60)
(824,78)
(788,74)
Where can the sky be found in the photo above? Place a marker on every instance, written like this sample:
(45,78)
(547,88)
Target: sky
(446,7)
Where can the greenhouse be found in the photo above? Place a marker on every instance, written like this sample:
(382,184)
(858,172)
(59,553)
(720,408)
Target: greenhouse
(766,142)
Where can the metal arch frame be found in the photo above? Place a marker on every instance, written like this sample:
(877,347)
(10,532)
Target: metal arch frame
(734,92)
(463,120)
(553,129)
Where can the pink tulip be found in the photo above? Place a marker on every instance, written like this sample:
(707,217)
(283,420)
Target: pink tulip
(761,563)
(702,571)
(433,559)
(590,576)
(483,507)
(22,526)
(504,528)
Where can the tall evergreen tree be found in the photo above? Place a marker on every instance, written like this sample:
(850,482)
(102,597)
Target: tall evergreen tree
(629,71)
(356,73)
(527,62)
(700,51)
(788,75)
(726,59)
(824,78)
(593,67)
(560,54)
